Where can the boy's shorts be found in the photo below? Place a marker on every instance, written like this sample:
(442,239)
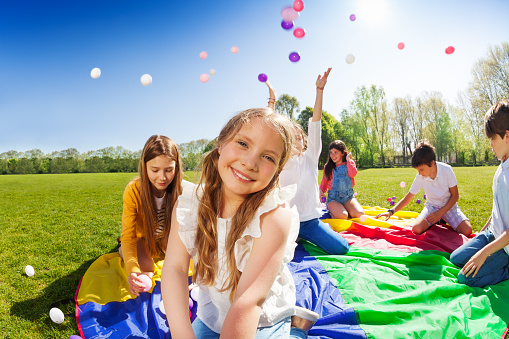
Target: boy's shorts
(453,217)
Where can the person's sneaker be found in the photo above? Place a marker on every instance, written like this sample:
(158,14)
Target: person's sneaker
(304,318)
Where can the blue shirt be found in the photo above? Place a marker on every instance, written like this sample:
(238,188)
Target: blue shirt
(500,213)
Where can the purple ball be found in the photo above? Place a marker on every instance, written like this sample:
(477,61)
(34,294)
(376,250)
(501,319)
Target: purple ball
(287,25)
(294,57)
(323,199)
(424,196)
(74,336)
(353,17)
(393,198)
(418,201)
(191,303)
(262,77)
(392,202)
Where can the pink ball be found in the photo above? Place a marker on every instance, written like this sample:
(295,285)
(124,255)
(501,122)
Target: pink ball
(145,279)
(299,33)
(363,218)
(235,49)
(204,77)
(402,184)
(298,5)
(203,55)
(449,50)
(289,14)
(401,45)
(389,199)
(353,17)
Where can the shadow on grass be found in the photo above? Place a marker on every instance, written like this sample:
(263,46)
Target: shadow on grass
(60,293)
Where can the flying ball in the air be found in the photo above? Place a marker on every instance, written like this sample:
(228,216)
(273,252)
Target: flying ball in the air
(350,58)
(146,79)
(95,73)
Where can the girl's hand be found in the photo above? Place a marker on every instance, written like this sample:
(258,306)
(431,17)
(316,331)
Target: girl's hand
(272,95)
(135,283)
(349,156)
(474,264)
(322,79)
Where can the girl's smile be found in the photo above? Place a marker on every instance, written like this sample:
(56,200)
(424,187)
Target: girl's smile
(248,162)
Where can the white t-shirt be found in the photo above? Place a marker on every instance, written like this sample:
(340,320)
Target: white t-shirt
(500,212)
(437,190)
(303,171)
(214,305)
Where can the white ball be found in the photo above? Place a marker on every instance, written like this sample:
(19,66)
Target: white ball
(350,59)
(29,270)
(161,307)
(56,315)
(145,279)
(212,72)
(194,293)
(95,73)
(146,79)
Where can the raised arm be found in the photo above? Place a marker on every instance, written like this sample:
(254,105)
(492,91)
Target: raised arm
(272,95)
(320,84)
(259,275)
(174,287)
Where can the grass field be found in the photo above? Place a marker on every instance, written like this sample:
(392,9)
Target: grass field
(61,223)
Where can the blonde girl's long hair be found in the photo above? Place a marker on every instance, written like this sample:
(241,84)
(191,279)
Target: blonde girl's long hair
(212,200)
(155,146)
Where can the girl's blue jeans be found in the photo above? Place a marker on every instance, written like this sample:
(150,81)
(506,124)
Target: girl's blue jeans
(280,330)
(494,270)
(323,236)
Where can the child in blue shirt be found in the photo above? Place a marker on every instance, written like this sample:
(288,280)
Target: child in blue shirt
(485,258)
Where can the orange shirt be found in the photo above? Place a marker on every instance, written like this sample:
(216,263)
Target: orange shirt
(132,226)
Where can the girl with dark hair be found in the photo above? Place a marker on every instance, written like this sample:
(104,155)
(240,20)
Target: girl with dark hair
(338,178)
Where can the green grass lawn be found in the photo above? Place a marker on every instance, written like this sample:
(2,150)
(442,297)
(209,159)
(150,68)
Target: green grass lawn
(61,223)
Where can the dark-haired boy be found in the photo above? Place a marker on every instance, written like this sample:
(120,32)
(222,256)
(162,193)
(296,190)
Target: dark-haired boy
(441,188)
(485,258)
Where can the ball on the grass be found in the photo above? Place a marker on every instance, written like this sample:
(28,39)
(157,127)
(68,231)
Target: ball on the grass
(29,270)
(418,201)
(389,199)
(74,336)
(393,198)
(392,202)
(56,315)
(402,184)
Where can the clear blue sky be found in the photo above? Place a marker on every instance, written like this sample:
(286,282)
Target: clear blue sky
(48,48)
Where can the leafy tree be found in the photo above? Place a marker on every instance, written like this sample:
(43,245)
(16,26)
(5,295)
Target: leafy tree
(287,104)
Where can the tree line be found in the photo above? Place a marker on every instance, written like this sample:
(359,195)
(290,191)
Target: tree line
(378,131)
